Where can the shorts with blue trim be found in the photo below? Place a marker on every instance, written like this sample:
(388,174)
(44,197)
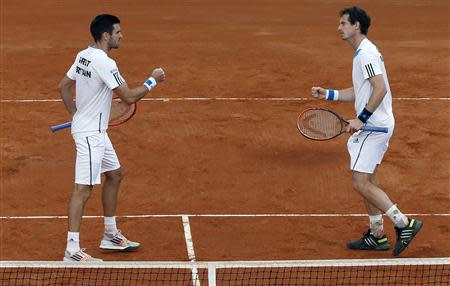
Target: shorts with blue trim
(367,150)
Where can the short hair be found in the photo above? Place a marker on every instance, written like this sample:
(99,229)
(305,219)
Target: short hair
(356,14)
(103,23)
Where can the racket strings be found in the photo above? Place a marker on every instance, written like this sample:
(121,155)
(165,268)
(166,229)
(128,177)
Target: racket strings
(319,124)
(120,112)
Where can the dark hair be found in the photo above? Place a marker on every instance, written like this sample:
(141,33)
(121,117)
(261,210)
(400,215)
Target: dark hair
(103,23)
(356,14)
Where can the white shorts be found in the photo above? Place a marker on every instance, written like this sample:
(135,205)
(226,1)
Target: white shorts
(95,155)
(367,149)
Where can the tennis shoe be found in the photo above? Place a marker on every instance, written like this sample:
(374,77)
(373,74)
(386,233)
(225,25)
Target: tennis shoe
(117,241)
(80,256)
(405,235)
(369,242)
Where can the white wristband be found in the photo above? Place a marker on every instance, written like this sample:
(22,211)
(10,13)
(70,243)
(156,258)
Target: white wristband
(150,83)
(332,94)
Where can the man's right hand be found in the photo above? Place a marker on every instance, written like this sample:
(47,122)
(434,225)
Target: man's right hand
(318,92)
(159,75)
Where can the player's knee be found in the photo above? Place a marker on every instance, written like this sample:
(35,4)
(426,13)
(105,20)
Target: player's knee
(360,185)
(116,175)
(82,192)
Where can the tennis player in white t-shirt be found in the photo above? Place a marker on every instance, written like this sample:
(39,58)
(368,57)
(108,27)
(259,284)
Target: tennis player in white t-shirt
(373,105)
(96,77)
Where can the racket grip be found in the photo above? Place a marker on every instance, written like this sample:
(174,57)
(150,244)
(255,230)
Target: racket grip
(61,126)
(375,129)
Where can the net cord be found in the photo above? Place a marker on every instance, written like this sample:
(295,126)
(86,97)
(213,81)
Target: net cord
(230,264)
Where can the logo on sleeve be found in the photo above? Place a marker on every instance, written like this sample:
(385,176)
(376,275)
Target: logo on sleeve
(118,78)
(369,70)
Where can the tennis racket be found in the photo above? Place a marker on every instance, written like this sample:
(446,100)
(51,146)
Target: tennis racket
(324,124)
(121,112)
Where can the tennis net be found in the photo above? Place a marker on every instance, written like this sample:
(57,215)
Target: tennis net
(417,271)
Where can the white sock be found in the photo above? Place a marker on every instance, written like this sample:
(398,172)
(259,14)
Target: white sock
(73,242)
(376,225)
(399,219)
(110,224)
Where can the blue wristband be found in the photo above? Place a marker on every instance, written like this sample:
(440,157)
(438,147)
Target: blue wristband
(150,83)
(332,94)
(364,115)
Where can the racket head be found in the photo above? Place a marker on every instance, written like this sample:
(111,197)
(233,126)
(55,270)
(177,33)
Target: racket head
(121,112)
(320,124)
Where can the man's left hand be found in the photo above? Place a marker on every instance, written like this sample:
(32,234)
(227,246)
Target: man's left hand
(354,125)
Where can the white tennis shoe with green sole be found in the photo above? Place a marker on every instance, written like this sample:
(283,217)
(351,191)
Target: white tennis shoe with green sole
(118,242)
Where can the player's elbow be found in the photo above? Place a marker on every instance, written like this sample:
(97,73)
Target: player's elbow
(63,88)
(379,86)
(125,94)
(383,91)
(60,87)
(379,90)
(127,99)
(65,85)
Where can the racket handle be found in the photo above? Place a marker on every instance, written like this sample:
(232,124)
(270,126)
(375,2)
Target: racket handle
(375,129)
(61,126)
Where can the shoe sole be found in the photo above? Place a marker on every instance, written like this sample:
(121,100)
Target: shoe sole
(384,248)
(119,248)
(68,260)
(397,253)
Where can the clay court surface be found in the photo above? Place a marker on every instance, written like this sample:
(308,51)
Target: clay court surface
(225,156)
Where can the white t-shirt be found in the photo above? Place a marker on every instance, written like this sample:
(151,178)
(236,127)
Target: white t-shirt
(96,75)
(367,63)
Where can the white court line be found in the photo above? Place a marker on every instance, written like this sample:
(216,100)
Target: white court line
(213,215)
(190,248)
(188,238)
(167,99)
